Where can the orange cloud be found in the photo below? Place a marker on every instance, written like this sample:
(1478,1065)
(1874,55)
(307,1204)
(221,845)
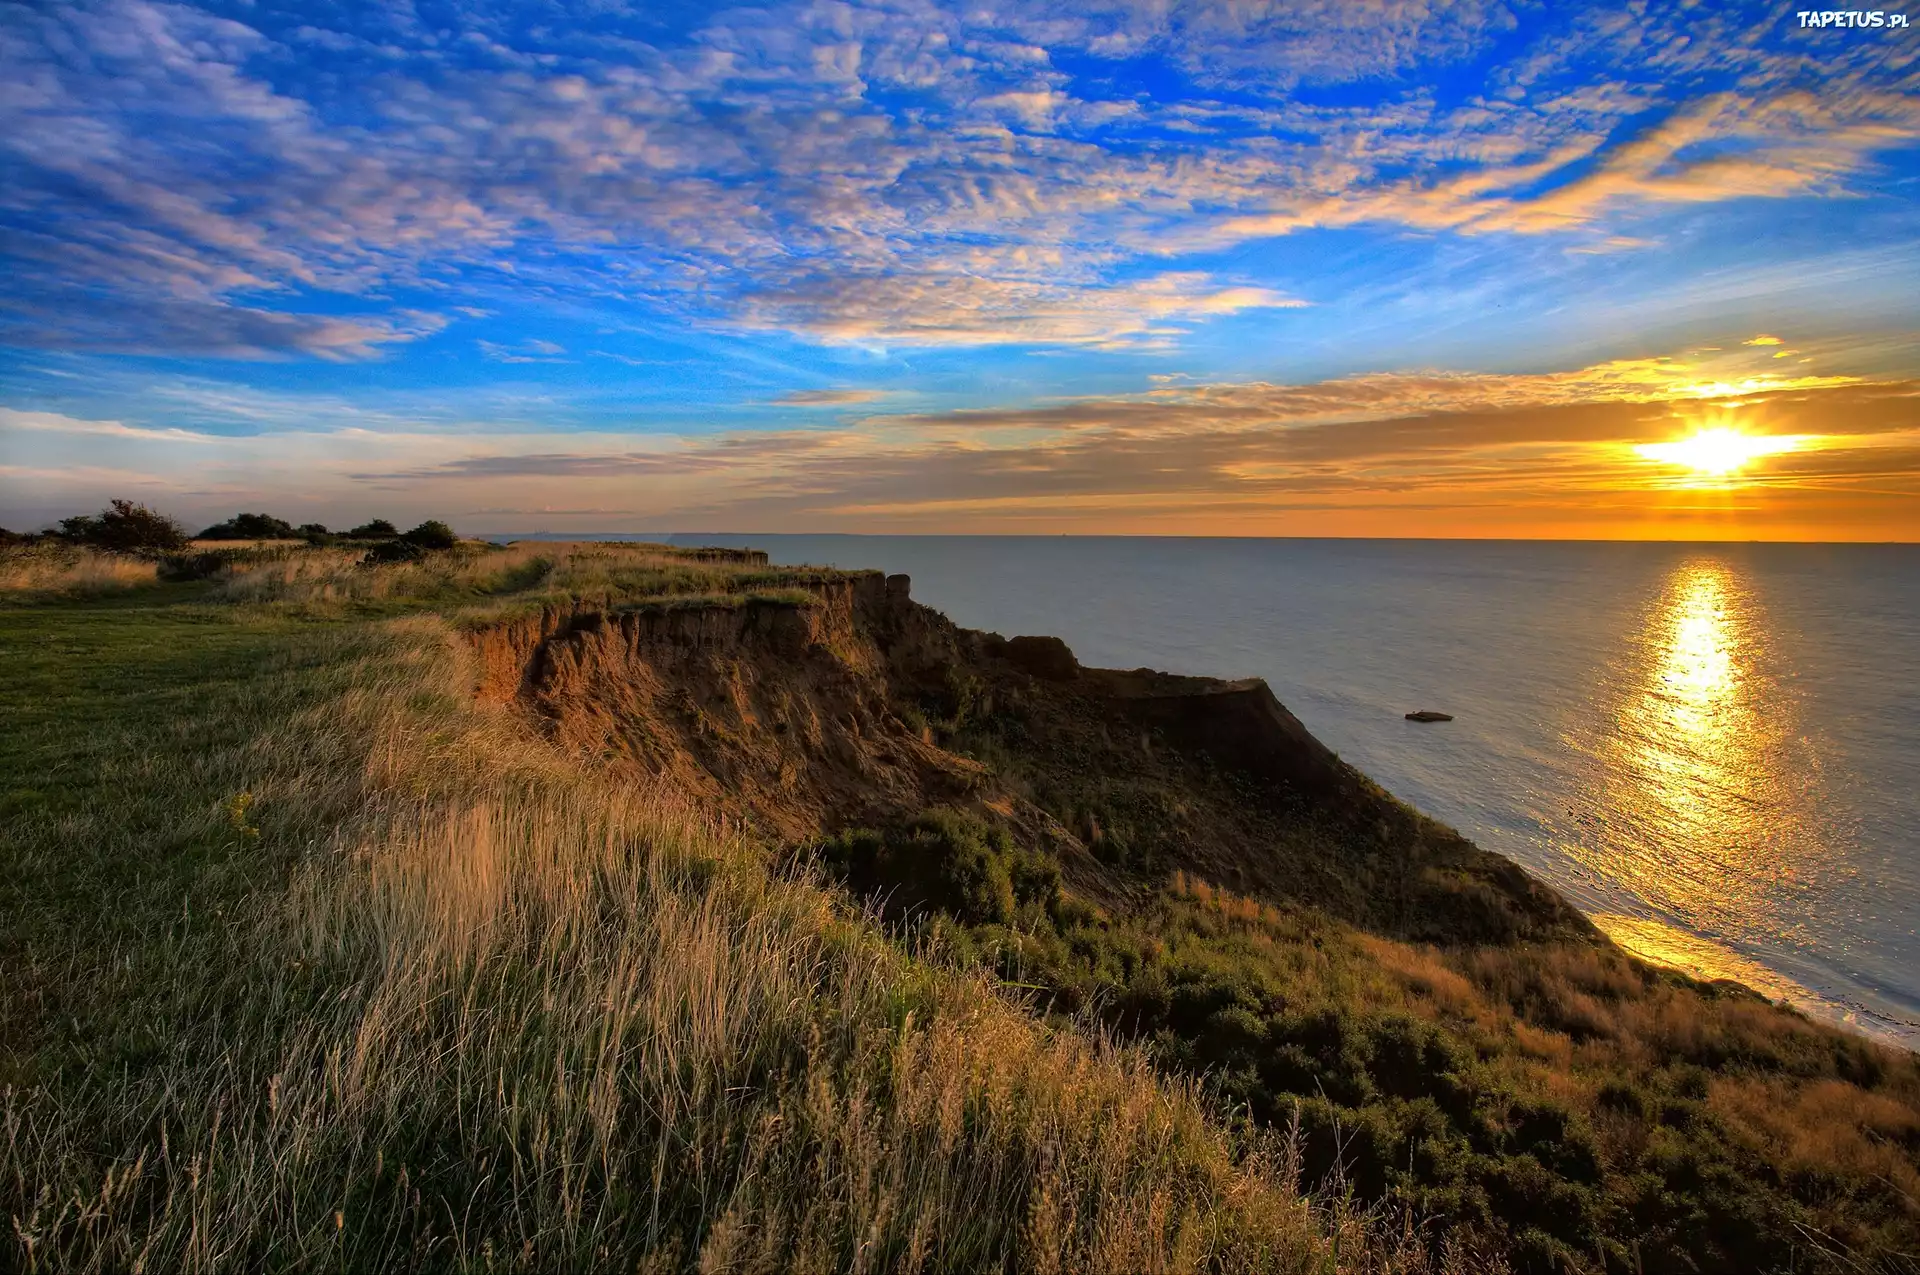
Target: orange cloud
(1548,454)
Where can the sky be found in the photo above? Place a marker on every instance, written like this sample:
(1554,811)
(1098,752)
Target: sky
(1366,267)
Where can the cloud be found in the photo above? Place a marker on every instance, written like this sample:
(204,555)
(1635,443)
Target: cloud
(1175,408)
(72,427)
(922,174)
(1576,177)
(216,328)
(828,398)
(969,310)
(528,351)
(1568,461)
(1762,339)
(1726,146)
(1250,457)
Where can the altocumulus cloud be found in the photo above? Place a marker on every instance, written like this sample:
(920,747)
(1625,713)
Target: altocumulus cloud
(264,182)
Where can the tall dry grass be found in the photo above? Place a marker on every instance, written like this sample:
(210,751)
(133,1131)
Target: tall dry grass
(287,572)
(603,570)
(65,570)
(495,1014)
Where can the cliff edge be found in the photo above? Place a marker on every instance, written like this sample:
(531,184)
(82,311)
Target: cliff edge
(853,705)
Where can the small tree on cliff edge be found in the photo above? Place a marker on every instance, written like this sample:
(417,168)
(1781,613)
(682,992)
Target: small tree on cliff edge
(432,534)
(124,527)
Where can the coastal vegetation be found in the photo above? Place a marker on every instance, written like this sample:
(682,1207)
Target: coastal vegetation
(128,527)
(315,963)
(1560,1103)
(125,527)
(255,527)
(560,906)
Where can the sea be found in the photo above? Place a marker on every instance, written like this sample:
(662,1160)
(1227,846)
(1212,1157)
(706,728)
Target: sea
(1712,749)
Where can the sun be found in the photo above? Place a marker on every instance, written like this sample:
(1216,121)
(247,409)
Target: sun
(1718,452)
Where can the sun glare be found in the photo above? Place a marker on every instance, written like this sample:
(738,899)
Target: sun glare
(1718,451)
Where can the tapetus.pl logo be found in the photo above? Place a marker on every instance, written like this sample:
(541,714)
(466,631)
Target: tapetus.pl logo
(1850,18)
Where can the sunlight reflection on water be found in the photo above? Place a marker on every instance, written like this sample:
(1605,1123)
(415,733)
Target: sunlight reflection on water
(1710,808)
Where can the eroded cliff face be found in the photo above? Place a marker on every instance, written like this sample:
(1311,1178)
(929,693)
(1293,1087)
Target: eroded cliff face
(859,707)
(774,711)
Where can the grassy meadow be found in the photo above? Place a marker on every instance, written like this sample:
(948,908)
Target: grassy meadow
(313,963)
(314,960)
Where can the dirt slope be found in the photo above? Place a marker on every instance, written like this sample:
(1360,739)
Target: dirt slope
(859,707)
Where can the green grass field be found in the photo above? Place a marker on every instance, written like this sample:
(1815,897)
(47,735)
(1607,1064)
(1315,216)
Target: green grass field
(314,964)
(315,961)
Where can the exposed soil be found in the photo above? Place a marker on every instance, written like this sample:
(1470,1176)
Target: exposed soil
(861,707)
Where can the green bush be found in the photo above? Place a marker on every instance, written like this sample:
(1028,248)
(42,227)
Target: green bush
(378,529)
(432,534)
(392,551)
(946,861)
(205,564)
(125,527)
(251,527)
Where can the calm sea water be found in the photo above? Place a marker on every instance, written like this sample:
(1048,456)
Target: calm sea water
(1714,750)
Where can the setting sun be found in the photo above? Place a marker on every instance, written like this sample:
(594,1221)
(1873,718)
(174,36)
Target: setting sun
(1718,451)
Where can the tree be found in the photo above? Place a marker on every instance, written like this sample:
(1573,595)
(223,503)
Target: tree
(432,534)
(378,529)
(251,527)
(124,527)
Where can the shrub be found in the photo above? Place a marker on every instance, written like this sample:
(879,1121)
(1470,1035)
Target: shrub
(203,565)
(378,529)
(391,551)
(1472,1107)
(209,564)
(945,860)
(124,527)
(251,527)
(432,534)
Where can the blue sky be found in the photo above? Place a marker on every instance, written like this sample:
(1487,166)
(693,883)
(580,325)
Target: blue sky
(1376,267)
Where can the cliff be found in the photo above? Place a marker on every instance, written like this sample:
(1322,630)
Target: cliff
(852,705)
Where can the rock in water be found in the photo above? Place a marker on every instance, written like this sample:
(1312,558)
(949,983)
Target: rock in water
(1428,715)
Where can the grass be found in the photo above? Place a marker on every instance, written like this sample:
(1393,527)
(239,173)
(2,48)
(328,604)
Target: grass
(314,963)
(1557,1102)
(55,570)
(1527,1084)
(324,580)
